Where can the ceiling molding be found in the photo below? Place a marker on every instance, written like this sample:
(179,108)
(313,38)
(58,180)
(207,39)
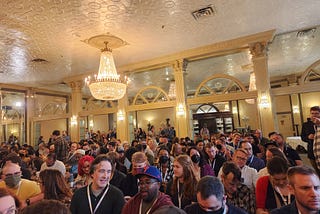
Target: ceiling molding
(228,46)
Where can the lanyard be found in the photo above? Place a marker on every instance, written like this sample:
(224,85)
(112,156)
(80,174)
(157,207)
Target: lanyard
(148,211)
(99,202)
(164,175)
(179,195)
(282,197)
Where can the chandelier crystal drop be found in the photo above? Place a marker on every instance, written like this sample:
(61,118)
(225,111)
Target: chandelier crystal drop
(107,85)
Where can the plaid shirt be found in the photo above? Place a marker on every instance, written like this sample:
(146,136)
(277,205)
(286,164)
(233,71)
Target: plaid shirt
(244,199)
(316,146)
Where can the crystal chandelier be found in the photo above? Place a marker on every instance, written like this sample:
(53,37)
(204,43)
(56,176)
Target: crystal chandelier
(252,86)
(107,85)
(172,90)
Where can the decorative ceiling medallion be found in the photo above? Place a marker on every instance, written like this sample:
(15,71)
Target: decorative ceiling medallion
(99,41)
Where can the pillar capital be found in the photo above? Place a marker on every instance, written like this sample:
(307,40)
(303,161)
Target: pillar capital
(180,65)
(258,49)
(76,85)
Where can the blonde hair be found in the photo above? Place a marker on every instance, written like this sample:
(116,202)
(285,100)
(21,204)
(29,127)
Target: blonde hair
(139,157)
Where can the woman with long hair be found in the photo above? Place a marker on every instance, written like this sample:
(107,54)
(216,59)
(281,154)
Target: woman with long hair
(54,186)
(165,166)
(201,166)
(84,170)
(182,188)
(272,191)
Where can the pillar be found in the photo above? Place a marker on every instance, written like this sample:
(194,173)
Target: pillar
(30,107)
(181,109)
(76,107)
(122,119)
(265,106)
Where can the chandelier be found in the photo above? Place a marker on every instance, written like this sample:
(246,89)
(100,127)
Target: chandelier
(107,85)
(172,90)
(252,86)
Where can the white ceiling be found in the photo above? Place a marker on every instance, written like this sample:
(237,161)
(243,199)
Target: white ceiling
(54,30)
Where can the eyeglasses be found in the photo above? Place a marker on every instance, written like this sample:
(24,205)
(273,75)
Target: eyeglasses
(10,210)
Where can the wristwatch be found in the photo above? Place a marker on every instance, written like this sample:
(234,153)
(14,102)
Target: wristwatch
(28,201)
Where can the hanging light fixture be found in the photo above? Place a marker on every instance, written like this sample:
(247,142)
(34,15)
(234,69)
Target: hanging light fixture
(172,90)
(108,84)
(252,86)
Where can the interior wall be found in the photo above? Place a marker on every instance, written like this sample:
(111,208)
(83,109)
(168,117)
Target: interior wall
(284,115)
(308,100)
(156,118)
(248,114)
(101,122)
(47,127)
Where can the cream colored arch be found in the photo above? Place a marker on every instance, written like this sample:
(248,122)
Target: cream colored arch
(229,84)
(313,71)
(150,94)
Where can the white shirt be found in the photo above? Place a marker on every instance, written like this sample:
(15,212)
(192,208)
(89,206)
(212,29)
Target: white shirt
(249,176)
(58,165)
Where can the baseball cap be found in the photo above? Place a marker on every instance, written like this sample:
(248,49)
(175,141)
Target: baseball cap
(80,151)
(152,172)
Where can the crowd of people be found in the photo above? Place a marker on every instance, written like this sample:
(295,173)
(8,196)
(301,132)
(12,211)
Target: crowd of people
(220,173)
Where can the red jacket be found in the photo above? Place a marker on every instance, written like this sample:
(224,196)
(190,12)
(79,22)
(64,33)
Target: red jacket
(133,205)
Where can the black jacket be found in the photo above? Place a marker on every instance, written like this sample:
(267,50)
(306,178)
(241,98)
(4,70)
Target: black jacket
(291,208)
(308,128)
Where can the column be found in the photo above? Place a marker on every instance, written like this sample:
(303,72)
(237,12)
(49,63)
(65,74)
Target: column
(122,119)
(181,110)
(266,112)
(30,107)
(76,107)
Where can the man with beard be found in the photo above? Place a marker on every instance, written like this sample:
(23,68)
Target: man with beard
(304,184)
(100,196)
(211,199)
(149,198)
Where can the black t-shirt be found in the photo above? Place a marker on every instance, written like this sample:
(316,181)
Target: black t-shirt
(196,209)
(113,201)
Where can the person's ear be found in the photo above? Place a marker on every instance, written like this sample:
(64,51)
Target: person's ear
(291,189)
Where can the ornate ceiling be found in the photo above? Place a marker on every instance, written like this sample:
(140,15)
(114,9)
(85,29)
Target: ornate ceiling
(42,42)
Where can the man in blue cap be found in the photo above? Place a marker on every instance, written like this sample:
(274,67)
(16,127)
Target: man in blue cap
(149,198)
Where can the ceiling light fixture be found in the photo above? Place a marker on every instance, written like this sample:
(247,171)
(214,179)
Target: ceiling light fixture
(172,90)
(108,84)
(252,86)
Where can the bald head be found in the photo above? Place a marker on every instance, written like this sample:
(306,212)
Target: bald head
(10,168)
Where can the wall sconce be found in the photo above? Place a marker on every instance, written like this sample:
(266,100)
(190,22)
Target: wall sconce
(234,110)
(295,109)
(226,107)
(74,120)
(120,115)
(264,101)
(91,123)
(180,110)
